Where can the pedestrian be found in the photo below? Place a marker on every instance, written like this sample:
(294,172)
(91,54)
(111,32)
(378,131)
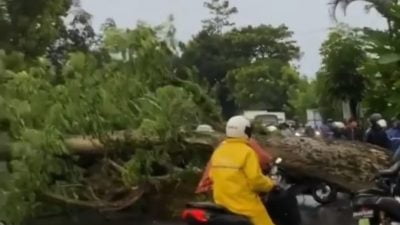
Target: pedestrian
(353,132)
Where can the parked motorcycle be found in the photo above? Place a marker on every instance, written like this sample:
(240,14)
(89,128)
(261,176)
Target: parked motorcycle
(380,205)
(206,213)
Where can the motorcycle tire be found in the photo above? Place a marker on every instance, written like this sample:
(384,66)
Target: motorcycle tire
(329,197)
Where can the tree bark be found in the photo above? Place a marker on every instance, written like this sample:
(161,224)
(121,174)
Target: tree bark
(351,165)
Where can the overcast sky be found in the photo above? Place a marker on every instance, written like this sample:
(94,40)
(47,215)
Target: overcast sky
(309,19)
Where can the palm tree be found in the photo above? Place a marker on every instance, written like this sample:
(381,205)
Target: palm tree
(381,6)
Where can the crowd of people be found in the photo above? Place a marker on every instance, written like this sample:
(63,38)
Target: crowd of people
(377,132)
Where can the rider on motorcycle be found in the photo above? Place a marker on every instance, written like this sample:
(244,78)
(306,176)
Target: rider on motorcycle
(376,135)
(237,176)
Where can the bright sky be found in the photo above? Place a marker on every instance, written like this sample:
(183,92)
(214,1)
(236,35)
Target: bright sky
(309,19)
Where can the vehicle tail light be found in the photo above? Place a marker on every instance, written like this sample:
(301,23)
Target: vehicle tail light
(197,214)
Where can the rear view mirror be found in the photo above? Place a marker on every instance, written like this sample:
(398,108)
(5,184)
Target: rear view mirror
(278,160)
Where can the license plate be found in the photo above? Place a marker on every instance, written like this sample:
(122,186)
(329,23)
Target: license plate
(363,214)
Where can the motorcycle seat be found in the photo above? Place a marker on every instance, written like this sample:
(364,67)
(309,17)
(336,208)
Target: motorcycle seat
(206,205)
(392,171)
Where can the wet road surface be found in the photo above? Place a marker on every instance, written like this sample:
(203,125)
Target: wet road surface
(337,213)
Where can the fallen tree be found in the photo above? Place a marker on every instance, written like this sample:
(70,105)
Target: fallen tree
(351,165)
(144,92)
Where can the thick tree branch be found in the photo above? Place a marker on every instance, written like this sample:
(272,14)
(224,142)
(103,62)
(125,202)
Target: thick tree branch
(128,200)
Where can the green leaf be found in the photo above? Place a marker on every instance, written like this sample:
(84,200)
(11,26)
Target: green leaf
(389,58)
(20,107)
(34,137)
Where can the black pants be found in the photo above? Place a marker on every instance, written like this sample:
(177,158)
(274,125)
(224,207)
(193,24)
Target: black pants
(283,208)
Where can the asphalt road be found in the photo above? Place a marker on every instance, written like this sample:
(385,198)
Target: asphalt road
(337,213)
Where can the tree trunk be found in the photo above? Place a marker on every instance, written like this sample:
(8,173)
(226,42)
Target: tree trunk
(349,164)
(353,108)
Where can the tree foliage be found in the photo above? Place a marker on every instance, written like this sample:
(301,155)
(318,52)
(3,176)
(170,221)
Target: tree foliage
(31,26)
(383,68)
(342,56)
(382,6)
(263,85)
(303,97)
(215,56)
(263,42)
(76,35)
(221,12)
(137,89)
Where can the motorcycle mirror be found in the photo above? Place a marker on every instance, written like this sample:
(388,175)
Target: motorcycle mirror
(278,160)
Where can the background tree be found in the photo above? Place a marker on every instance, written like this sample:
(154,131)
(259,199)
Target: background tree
(303,97)
(383,67)
(381,6)
(221,12)
(214,56)
(383,54)
(31,26)
(251,43)
(206,52)
(77,35)
(263,85)
(342,56)
(329,108)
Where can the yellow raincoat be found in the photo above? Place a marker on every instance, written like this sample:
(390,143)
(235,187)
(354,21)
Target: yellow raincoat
(237,180)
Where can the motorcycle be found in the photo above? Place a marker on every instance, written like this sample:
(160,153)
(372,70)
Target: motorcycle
(322,191)
(206,213)
(380,205)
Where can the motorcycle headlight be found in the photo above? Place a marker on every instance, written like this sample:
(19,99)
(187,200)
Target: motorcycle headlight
(297,134)
(317,133)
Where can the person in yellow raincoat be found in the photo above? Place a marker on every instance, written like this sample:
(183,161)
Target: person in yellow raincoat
(236,174)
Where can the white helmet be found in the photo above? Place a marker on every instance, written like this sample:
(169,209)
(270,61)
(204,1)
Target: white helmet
(382,123)
(339,124)
(238,127)
(272,128)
